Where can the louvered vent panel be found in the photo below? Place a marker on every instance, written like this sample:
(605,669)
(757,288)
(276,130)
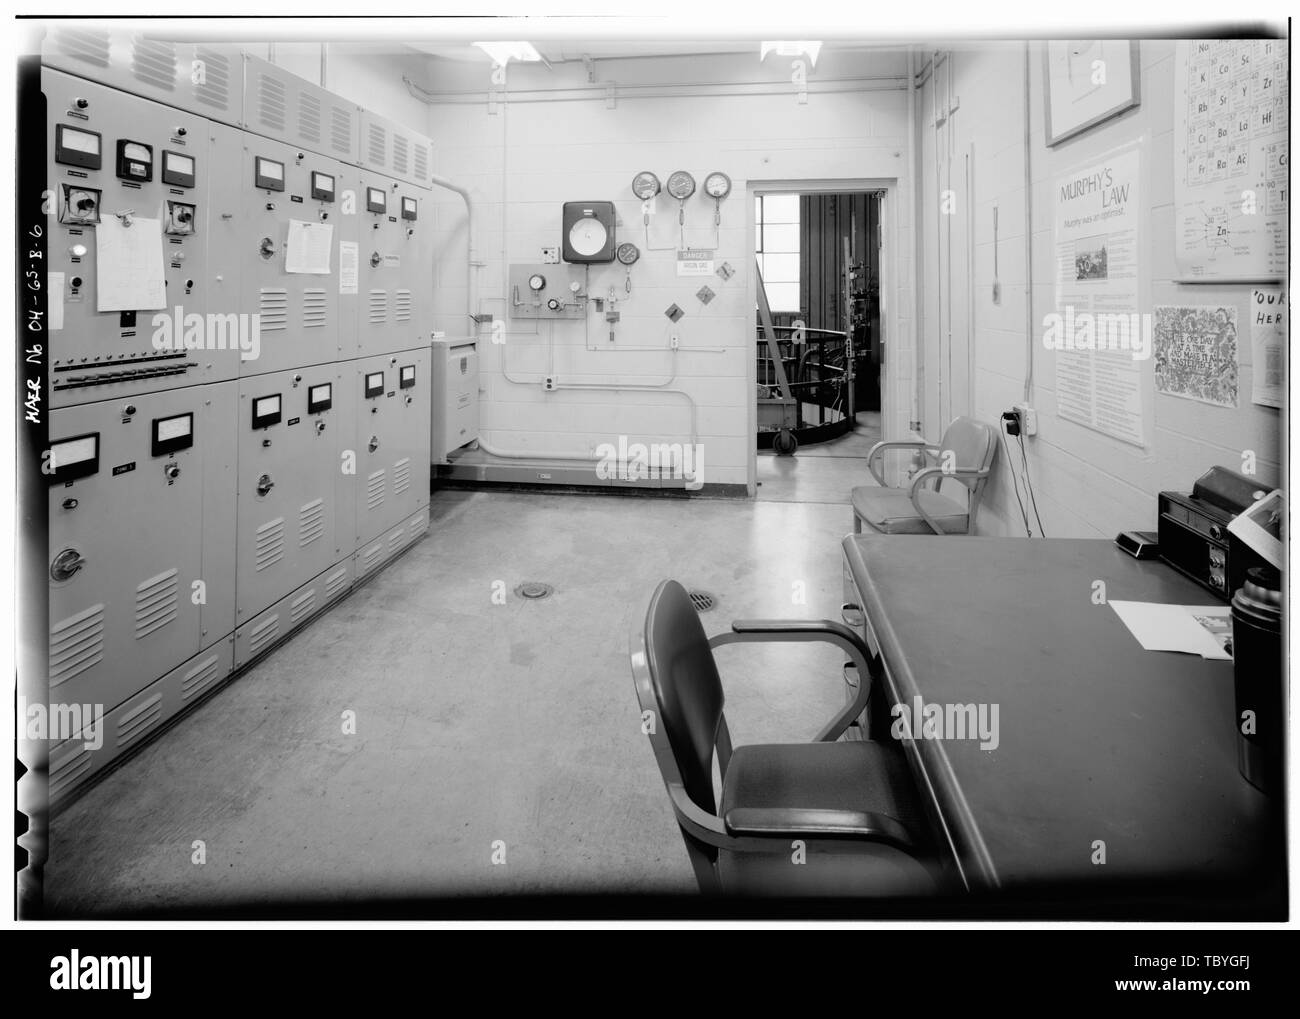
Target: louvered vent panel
(302,606)
(139,721)
(401,155)
(375,489)
(273,305)
(417,526)
(311,522)
(402,306)
(341,130)
(263,634)
(86,45)
(422,162)
(76,644)
(309,117)
(156,603)
(336,582)
(200,677)
(378,307)
(396,540)
(372,556)
(377,142)
(401,475)
(314,308)
(153,62)
(270,102)
(213,87)
(70,770)
(269,548)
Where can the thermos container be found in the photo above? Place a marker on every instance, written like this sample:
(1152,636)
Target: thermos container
(1258,677)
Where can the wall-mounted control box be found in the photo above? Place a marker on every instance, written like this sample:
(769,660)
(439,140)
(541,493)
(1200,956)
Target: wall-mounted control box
(544,291)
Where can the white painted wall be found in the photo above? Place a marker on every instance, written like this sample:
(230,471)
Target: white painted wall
(1087,484)
(524,161)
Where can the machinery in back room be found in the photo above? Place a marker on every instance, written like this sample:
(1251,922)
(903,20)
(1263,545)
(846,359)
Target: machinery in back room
(208,498)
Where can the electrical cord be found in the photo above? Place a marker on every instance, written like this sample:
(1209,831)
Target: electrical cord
(1029,485)
(1015,484)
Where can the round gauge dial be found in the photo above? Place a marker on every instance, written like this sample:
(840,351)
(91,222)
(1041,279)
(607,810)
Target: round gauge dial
(717,185)
(645,185)
(536,282)
(587,236)
(681,185)
(628,253)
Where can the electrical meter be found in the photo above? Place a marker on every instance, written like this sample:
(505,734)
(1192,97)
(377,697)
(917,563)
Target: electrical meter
(75,147)
(320,398)
(645,185)
(681,185)
(376,200)
(628,253)
(409,207)
(134,161)
(172,434)
(588,232)
(177,169)
(322,186)
(73,458)
(268,174)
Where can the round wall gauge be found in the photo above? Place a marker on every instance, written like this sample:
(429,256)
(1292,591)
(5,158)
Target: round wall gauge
(628,253)
(645,185)
(681,185)
(717,185)
(587,236)
(536,282)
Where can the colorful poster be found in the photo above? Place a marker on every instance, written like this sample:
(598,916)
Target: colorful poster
(1268,346)
(1195,349)
(1231,167)
(1096,330)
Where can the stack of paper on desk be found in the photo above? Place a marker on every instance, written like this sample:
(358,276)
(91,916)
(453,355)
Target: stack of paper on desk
(1204,630)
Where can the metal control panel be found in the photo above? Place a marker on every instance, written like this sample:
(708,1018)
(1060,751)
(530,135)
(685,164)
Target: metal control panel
(547,292)
(395,235)
(393,464)
(137,166)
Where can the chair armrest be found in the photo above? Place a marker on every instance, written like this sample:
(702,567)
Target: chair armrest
(922,477)
(793,631)
(879,448)
(799,822)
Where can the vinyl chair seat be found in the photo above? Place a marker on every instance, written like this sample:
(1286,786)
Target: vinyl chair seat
(837,781)
(890,510)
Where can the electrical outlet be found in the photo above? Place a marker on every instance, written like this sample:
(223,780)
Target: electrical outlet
(1028,418)
(673,342)
(550,256)
(548,383)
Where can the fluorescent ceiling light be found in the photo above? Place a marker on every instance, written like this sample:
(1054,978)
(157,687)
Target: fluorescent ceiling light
(807,47)
(503,51)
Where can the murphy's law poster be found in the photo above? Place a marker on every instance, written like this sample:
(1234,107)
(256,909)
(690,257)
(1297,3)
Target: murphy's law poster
(1097,333)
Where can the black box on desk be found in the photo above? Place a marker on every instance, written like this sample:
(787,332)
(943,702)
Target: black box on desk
(1193,530)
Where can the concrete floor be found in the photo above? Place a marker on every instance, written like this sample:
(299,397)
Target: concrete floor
(475,722)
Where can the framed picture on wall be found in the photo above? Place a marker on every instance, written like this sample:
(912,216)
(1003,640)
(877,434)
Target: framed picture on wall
(1088,81)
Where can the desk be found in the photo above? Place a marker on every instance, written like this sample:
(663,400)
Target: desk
(1099,739)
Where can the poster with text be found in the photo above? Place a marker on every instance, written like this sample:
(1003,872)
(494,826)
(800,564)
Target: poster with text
(1268,317)
(1195,350)
(1097,332)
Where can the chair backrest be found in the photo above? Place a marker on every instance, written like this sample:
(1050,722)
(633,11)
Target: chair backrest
(973,445)
(685,683)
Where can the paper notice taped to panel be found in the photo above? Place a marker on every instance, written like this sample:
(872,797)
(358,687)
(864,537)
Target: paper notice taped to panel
(54,295)
(130,265)
(348,259)
(308,249)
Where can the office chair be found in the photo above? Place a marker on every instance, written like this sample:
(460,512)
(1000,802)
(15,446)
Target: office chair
(966,453)
(820,818)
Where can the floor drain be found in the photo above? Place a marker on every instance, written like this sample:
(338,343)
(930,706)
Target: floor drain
(703,601)
(534,589)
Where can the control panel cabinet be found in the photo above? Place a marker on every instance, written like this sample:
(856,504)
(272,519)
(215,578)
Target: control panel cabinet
(140,506)
(392,439)
(396,253)
(295,428)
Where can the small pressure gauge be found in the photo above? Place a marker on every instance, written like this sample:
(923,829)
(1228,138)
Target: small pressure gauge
(681,185)
(628,253)
(645,185)
(536,282)
(717,185)
(574,287)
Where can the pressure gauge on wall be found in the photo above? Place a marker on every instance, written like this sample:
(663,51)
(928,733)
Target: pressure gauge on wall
(717,186)
(645,185)
(536,282)
(681,185)
(628,254)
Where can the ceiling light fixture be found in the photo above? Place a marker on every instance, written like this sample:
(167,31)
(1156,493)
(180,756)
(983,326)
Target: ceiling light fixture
(502,51)
(807,47)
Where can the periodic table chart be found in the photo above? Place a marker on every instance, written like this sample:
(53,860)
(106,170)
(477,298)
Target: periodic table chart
(1231,166)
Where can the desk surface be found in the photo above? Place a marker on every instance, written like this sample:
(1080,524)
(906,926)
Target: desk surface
(1099,738)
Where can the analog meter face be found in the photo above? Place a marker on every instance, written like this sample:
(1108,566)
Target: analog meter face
(536,282)
(645,185)
(681,185)
(587,237)
(628,253)
(717,185)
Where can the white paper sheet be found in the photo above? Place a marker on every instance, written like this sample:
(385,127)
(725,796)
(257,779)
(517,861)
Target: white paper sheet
(1262,527)
(1160,627)
(129,264)
(348,261)
(308,248)
(54,298)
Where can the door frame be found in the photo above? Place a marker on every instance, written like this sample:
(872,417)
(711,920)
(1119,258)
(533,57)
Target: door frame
(891,331)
